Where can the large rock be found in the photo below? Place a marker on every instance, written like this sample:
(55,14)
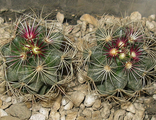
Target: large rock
(9,118)
(77,98)
(20,111)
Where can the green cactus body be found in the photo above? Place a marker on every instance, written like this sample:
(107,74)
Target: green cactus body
(33,60)
(121,60)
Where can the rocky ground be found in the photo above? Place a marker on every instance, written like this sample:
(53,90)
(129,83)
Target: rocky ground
(79,103)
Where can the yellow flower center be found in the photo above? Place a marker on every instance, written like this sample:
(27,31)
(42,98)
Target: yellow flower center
(133,54)
(107,68)
(113,52)
(39,68)
(36,50)
(122,56)
(128,65)
(23,56)
(108,38)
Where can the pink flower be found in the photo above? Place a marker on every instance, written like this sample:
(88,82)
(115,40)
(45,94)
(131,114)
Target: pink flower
(135,53)
(122,42)
(29,32)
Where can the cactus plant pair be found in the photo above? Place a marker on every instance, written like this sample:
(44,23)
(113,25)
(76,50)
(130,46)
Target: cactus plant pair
(123,60)
(38,57)
(35,58)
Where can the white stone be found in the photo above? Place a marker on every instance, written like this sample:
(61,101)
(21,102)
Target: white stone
(54,115)
(44,111)
(81,77)
(63,117)
(77,98)
(3,113)
(6,99)
(37,116)
(65,100)
(153,118)
(139,106)
(82,106)
(135,16)
(150,25)
(152,17)
(129,107)
(68,106)
(90,100)
(154,96)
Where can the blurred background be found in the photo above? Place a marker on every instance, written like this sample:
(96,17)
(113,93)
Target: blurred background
(73,9)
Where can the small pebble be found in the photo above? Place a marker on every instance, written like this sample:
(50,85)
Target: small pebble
(135,16)
(44,111)
(3,113)
(154,96)
(6,99)
(90,100)
(37,116)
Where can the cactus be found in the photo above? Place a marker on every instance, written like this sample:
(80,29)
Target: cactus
(35,58)
(123,60)
(39,57)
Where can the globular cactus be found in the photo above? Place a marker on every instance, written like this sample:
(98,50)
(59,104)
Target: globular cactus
(35,58)
(123,60)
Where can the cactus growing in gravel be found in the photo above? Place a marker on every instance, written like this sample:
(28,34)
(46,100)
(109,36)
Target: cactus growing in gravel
(123,60)
(35,59)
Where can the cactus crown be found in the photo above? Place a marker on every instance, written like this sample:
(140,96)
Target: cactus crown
(33,58)
(122,62)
